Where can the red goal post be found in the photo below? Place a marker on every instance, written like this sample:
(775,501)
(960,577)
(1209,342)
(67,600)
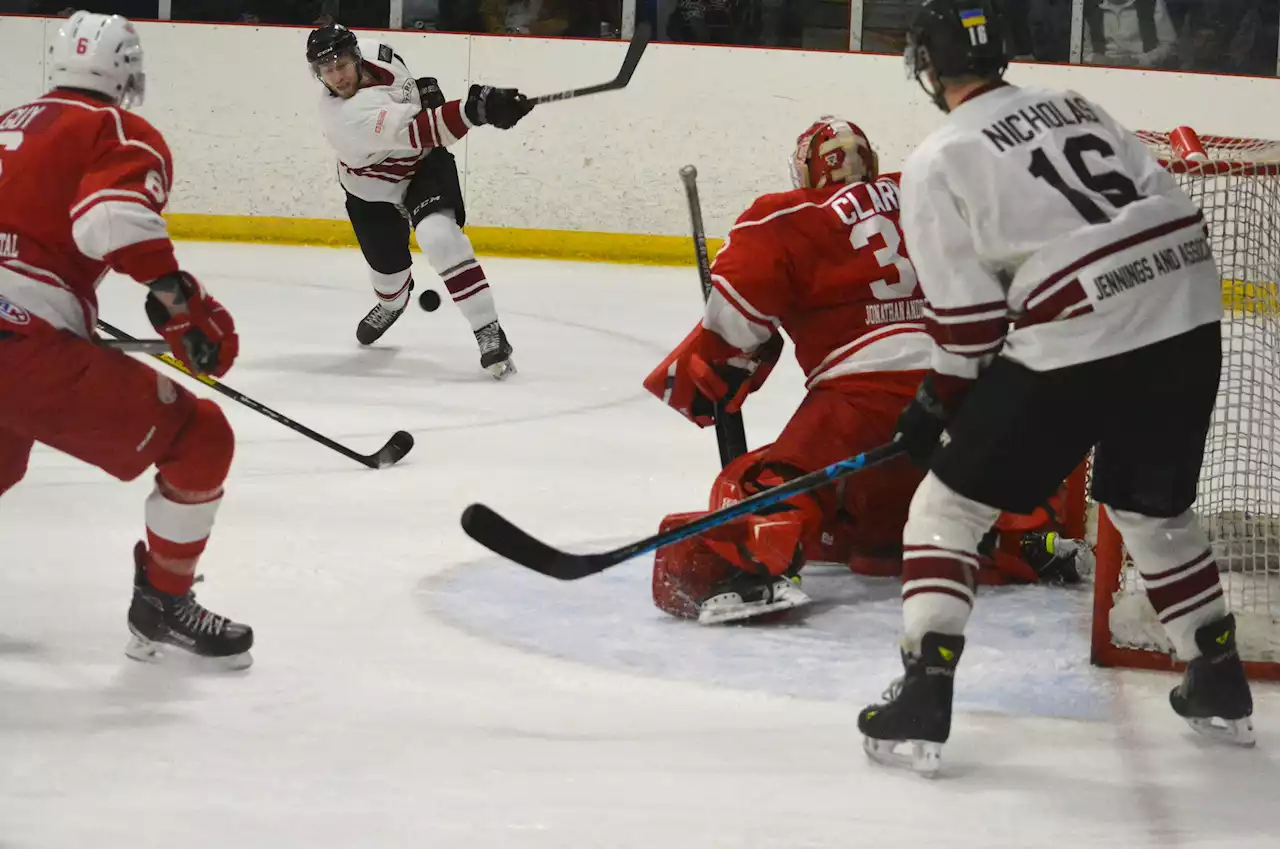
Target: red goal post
(1236,182)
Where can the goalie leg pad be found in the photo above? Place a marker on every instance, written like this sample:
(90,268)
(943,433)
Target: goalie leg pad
(772,541)
(714,577)
(685,572)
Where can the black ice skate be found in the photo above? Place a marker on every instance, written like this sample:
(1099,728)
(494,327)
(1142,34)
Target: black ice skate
(1214,695)
(495,351)
(746,596)
(379,319)
(157,619)
(1054,559)
(918,708)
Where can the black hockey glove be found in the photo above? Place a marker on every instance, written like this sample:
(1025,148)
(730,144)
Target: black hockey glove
(429,91)
(921,424)
(501,107)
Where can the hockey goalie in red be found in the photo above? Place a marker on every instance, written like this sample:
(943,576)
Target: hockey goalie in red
(82,184)
(826,263)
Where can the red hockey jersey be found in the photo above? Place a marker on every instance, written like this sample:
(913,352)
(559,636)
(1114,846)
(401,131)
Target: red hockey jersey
(829,267)
(82,186)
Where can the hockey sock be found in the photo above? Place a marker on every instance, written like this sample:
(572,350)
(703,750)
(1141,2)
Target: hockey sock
(450,253)
(392,289)
(181,508)
(940,560)
(1178,570)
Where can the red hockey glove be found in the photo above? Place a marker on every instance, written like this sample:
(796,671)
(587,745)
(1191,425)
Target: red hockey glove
(198,328)
(704,370)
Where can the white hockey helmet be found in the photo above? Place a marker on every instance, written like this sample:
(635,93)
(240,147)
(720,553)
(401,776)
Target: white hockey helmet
(99,53)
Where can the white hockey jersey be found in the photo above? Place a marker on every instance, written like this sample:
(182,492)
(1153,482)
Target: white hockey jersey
(382,133)
(1044,231)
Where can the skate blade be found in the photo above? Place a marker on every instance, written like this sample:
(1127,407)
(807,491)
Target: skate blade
(502,370)
(147,651)
(924,759)
(1235,732)
(788,600)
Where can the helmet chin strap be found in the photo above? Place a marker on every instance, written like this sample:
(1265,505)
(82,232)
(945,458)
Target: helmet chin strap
(919,65)
(937,93)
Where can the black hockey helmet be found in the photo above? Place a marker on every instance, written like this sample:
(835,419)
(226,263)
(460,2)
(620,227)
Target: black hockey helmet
(329,42)
(956,38)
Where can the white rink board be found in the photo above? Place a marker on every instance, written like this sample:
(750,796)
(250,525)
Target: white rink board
(22,40)
(245,139)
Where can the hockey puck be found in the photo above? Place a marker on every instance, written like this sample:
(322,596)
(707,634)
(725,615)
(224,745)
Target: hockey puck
(429,300)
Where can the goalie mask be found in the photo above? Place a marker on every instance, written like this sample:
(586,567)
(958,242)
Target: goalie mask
(832,151)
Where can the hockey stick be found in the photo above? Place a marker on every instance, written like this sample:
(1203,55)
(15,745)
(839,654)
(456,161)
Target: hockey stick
(731,434)
(639,42)
(137,346)
(500,536)
(397,446)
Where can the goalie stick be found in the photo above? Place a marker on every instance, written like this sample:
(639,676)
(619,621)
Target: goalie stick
(500,536)
(635,50)
(389,454)
(731,434)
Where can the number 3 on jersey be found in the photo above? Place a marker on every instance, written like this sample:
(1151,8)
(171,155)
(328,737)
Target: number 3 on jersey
(9,140)
(889,256)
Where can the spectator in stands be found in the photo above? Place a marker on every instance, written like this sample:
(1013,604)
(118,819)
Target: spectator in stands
(133,9)
(715,21)
(526,17)
(1137,33)
(1229,36)
(443,15)
(1049,25)
(595,19)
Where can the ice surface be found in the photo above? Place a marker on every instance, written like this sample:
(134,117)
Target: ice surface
(410,691)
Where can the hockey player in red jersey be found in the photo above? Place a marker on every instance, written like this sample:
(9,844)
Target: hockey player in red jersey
(826,263)
(82,184)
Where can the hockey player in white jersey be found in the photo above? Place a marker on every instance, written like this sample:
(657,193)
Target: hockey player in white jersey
(1074,303)
(390,132)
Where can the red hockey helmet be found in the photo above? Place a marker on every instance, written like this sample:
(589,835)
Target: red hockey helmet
(831,151)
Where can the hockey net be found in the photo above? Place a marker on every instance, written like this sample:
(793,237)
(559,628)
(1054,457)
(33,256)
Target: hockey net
(1236,182)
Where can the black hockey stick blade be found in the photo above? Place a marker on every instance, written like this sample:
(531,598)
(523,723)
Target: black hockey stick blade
(500,536)
(400,444)
(389,454)
(629,64)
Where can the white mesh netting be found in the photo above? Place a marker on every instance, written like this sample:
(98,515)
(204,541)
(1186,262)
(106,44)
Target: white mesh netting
(1239,494)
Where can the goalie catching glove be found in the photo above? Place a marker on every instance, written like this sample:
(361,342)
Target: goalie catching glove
(704,370)
(198,329)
